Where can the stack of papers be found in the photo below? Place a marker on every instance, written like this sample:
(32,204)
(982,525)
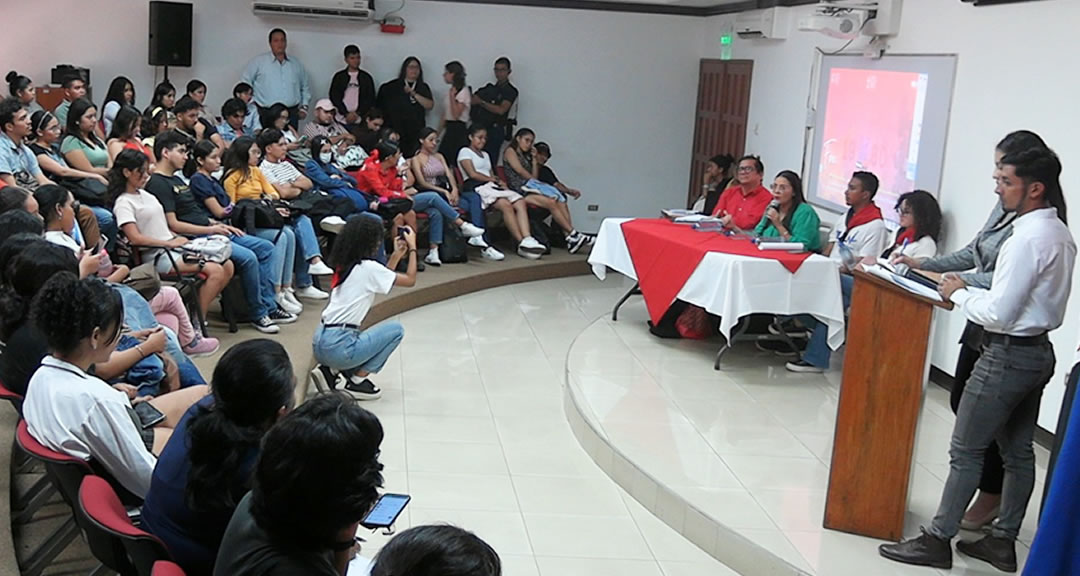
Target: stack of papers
(782,246)
(674,213)
(909,285)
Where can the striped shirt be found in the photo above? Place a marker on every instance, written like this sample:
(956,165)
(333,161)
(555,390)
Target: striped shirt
(279,172)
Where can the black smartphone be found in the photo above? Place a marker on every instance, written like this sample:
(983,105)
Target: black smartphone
(96,250)
(401,231)
(386,511)
(148,415)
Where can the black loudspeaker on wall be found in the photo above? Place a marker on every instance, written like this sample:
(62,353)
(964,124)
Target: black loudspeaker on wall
(170,34)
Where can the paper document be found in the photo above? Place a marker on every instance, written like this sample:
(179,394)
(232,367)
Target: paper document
(673,213)
(906,284)
(782,246)
(696,218)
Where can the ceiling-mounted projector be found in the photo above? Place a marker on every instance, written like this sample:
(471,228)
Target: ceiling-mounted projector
(848,19)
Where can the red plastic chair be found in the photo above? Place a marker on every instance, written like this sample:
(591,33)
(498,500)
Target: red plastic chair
(166,568)
(107,520)
(24,507)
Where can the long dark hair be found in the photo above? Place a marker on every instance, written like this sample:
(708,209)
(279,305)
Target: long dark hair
(200,151)
(458,72)
(519,134)
(13,198)
(436,550)
(270,116)
(252,382)
(405,66)
(67,310)
(123,126)
(316,148)
(304,490)
(236,157)
(1041,165)
(159,94)
(127,159)
(75,113)
(926,212)
(358,241)
(29,262)
(116,92)
(48,198)
(151,119)
(797,196)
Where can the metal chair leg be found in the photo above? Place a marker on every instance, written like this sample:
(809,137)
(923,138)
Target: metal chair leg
(37,496)
(56,543)
(631,292)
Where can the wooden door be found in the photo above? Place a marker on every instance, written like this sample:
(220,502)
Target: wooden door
(723,105)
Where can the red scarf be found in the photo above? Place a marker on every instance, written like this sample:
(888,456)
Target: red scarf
(905,235)
(868,214)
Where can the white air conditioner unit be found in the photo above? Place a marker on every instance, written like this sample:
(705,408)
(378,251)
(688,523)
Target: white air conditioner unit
(770,23)
(333,9)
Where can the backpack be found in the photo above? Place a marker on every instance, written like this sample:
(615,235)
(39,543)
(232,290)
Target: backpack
(454,249)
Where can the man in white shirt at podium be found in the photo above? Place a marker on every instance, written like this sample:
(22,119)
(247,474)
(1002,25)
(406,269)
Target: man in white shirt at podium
(1031,285)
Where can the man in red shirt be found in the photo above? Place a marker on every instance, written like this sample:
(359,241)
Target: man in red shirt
(743,204)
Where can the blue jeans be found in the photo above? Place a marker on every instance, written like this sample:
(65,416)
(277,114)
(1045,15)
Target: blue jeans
(380,255)
(350,350)
(817,349)
(139,316)
(107,225)
(281,259)
(438,210)
(252,257)
(474,207)
(307,245)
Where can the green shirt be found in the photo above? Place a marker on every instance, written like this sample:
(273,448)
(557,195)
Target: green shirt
(61,113)
(98,157)
(804,228)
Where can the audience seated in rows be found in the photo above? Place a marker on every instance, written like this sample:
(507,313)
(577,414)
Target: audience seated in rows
(126,134)
(206,467)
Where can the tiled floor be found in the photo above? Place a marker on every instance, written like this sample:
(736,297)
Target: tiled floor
(750,446)
(476,432)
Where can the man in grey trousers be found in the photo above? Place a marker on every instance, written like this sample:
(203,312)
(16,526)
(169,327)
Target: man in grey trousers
(1030,288)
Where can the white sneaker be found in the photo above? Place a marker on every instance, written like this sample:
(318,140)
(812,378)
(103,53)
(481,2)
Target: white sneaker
(332,224)
(490,253)
(530,245)
(319,269)
(283,302)
(471,231)
(290,294)
(432,258)
(312,293)
(477,241)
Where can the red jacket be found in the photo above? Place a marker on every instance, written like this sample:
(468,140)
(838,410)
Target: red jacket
(746,211)
(384,184)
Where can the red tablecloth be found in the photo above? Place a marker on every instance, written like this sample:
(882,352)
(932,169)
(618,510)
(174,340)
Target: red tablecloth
(665,254)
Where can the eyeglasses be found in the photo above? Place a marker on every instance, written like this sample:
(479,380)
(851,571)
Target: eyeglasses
(746,169)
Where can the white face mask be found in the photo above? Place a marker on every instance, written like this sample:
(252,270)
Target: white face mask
(326,157)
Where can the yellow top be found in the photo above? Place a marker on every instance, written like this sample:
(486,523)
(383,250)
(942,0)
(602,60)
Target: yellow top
(250,188)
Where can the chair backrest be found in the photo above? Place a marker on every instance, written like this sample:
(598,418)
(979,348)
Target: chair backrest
(166,568)
(107,517)
(15,398)
(500,173)
(65,471)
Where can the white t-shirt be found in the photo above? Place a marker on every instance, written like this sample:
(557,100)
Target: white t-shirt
(481,162)
(61,238)
(868,240)
(924,247)
(351,300)
(146,212)
(465,97)
(279,172)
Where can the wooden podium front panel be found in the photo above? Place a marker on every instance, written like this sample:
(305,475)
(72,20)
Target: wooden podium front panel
(880,400)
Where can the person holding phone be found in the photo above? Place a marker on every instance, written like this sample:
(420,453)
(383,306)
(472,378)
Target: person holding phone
(306,500)
(346,352)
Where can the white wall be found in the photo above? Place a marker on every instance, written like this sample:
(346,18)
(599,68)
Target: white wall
(614,94)
(1014,71)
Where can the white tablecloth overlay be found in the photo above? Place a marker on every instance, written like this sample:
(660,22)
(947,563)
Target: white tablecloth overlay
(733,286)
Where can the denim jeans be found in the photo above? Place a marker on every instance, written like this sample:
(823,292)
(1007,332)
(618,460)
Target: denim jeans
(252,257)
(496,135)
(107,225)
(281,259)
(817,349)
(439,212)
(349,350)
(1000,402)
(546,190)
(307,245)
(474,207)
(139,316)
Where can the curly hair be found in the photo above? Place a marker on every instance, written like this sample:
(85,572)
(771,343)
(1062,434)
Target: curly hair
(436,550)
(28,262)
(358,241)
(304,491)
(926,212)
(68,310)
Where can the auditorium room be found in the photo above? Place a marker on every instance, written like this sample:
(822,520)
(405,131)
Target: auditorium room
(538,288)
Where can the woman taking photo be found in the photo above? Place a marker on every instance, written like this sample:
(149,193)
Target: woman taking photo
(82,148)
(974,264)
(72,411)
(920,226)
(405,102)
(206,466)
(125,134)
(121,93)
(455,118)
(793,220)
(522,172)
(22,88)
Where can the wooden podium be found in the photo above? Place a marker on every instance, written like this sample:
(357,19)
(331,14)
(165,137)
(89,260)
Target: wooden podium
(885,367)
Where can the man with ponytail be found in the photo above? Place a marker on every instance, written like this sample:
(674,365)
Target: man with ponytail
(1030,289)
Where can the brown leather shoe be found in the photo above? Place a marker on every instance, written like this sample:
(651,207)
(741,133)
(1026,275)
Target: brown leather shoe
(923,550)
(995,550)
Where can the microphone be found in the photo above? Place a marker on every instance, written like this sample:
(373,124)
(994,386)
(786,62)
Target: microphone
(775,204)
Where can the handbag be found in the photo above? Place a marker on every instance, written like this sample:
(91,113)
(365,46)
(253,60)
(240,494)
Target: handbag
(391,207)
(87,191)
(145,280)
(213,248)
(250,214)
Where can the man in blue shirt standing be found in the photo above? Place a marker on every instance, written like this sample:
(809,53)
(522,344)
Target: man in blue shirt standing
(277,78)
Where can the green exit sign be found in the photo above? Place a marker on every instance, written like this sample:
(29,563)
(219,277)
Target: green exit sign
(725,40)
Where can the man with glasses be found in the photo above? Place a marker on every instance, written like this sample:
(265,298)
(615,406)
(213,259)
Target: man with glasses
(743,204)
(491,108)
(233,113)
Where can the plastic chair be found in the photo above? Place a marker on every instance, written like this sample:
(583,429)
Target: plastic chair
(107,520)
(24,507)
(166,568)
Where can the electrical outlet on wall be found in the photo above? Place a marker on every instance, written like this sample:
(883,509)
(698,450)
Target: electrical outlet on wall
(593,208)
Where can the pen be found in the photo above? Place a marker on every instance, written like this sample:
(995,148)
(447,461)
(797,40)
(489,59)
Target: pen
(904,245)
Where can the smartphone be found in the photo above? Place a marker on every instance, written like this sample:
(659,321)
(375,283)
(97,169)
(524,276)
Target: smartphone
(148,415)
(96,250)
(386,511)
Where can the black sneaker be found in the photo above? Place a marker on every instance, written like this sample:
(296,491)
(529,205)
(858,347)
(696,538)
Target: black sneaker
(265,325)
(923,550)
(574,243)
(780,348)
(804,367)
(325,379)
(362,390)
(279,316)
(997,551)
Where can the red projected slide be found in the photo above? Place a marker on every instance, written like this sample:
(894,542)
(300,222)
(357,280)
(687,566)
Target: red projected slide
(873,122)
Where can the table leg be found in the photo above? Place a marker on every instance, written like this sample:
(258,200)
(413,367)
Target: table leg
(739,330)
(631,292)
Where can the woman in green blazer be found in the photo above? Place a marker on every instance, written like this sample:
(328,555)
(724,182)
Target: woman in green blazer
(794,220)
